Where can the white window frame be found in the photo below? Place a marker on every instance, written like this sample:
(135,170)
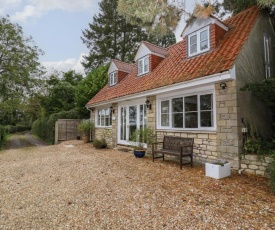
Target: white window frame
(142,67)
(197,33)
(267,45)
(113,78)
(98,120)
(177,95)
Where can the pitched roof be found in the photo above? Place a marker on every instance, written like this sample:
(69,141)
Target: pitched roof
(173,69)
(156,49)
(126,67)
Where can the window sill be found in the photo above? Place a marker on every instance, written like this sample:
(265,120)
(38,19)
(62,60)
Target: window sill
(213,130)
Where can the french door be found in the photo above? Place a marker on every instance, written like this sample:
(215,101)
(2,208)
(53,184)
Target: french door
(130,118)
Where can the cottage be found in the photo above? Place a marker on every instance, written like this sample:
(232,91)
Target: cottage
(192,88)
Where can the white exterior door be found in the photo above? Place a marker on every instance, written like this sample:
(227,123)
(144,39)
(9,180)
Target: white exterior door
(131,116)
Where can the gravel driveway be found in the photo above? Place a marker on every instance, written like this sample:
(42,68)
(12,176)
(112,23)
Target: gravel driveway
(74,186)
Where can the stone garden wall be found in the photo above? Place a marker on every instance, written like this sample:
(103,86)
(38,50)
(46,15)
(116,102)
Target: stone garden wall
(253,164)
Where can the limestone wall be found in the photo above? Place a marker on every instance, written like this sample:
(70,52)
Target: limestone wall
(104,133)
(257,165)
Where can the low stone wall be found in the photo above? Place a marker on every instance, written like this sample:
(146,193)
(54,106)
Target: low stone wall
(257,165)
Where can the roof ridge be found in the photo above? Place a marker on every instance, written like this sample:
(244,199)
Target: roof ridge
(154,45)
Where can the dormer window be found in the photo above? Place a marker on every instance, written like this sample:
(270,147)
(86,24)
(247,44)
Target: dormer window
(112,78)
(199,42)
(143,65)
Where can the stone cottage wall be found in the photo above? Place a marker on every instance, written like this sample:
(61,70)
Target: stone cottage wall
(229,137)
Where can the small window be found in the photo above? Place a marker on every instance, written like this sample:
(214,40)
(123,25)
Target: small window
(143,65)
(113,78)
(104,118)
(267,46)
(198,42)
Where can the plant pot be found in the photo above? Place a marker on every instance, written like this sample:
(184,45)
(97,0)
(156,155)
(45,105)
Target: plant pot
(217,171)
(139,153)
(85,138)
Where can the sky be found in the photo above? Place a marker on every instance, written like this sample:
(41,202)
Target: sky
(56,27)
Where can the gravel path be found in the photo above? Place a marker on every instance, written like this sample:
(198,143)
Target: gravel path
(74,186)
(24,139)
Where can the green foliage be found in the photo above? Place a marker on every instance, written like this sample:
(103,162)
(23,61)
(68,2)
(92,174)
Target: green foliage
(89,87)
(156,16)
(252,145)
(142,136)
(271,173)
(100,144)
(20,70)
(85,127)
(264,91)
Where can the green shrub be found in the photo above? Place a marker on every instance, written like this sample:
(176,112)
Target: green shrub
(100,144)
(271,173)
(252,145)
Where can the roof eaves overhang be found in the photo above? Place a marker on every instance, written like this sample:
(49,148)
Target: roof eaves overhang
(206,80)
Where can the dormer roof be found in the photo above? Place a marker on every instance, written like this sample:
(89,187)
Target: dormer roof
(198,23)
(119,65)
(146,48)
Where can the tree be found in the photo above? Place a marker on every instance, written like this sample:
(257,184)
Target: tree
(90,86)
(111,36)
(20,70)
(19,66)
(158,16)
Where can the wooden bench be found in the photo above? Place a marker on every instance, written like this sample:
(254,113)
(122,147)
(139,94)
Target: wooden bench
(175,146)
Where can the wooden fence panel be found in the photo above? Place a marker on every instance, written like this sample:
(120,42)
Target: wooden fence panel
(66,129)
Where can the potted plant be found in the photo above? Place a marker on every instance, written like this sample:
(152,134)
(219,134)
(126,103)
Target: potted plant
(84,127)
(139,139)
(218,169)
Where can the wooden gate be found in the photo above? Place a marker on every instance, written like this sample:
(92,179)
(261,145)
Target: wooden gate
(66,129)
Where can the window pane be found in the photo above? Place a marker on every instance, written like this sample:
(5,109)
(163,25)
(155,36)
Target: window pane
(164,119)
(191,103)
(177,120)
(204,35)
(193,40)
(146,64)
(177,104)
(102,117)
(141,117)
(191,120)
(165,107)
(98,117)
(206,119)
(140,66)
(204,45)
(206,102)
(193,49)
(115,78)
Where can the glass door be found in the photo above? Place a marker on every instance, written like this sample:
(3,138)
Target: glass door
(131,117)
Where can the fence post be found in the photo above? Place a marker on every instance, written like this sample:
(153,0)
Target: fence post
(56,133)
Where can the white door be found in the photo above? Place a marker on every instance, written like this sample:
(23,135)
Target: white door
(130,118)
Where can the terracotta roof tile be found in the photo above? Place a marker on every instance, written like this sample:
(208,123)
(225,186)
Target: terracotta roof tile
(173,69)
(123,66)
(156,49)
